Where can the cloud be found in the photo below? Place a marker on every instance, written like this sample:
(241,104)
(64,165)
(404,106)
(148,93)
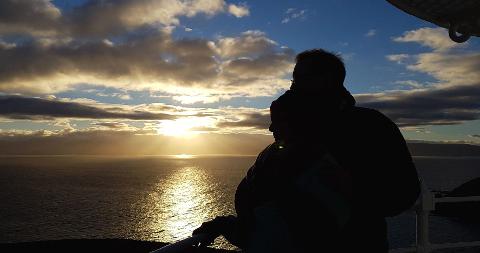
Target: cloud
(117,95)
(371,33)
(256,120)
(398,58)
(26,16)
(450,68)
(111,125)
(126,142)
(153,61)
(249,43)
(155,116)
(268,65)
(435,38)
(292,14)
(433,106)
(17,107)
(128,45)
(6,45)
(453,98)
(52,68)
(99,18)
(238,10)
(411,83)
(475,135)
(107,17)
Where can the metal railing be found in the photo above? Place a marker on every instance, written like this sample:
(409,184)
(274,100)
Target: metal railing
(182,245)
(424,206)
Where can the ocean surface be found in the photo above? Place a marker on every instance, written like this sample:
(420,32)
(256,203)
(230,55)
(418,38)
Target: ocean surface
(163,198)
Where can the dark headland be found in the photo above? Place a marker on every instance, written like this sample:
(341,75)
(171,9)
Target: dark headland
(436,149)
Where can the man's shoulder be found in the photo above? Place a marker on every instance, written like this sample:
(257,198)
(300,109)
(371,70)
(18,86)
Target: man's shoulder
(369,114)
(368,119)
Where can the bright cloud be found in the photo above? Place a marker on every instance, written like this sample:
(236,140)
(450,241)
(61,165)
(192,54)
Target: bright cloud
(451,68)
(435,38)
(238,10)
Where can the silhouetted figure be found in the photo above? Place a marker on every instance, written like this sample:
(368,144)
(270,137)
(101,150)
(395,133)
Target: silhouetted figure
(295,186)
(332,176)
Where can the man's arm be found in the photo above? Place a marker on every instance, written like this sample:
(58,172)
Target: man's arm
(398,184)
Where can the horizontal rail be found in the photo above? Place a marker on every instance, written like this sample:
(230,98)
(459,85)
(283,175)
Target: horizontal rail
(457,199)
(452,245)
(403,250)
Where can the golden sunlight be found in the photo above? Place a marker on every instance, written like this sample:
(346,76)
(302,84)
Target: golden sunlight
(184,156)
(185,127)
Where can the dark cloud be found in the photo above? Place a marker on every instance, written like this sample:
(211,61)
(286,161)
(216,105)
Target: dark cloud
(434,106)
(17,107)
(267,65)
(27,16)
(475,135)
(251,120)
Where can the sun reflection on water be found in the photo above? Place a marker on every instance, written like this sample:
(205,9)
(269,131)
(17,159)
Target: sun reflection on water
(186,195)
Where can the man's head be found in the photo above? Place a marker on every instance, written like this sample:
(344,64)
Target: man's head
(318,70)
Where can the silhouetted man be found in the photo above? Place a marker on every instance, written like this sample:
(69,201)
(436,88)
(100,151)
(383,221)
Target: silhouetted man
(363,141)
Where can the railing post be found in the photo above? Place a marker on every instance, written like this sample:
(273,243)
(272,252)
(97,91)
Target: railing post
(424,208)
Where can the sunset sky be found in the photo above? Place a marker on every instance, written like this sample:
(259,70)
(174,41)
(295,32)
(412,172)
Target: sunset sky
(198,77)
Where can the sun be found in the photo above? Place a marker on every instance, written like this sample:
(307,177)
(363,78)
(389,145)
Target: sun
(185,127)
(184,156)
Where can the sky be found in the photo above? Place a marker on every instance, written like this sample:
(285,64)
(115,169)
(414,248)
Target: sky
(197,77)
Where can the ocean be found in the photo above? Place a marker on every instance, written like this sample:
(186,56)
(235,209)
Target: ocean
(163,198)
